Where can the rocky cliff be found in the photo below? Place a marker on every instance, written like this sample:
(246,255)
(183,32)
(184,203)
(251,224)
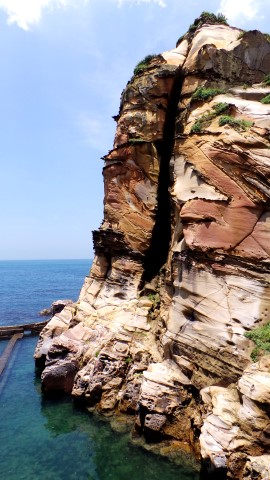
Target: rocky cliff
(181,270)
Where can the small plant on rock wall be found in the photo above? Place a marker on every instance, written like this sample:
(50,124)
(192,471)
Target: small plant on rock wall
(235,123)
(128,360)
(202,122)
(155,298)
(266,80)
(196,127)
(203,94)
(261,337)
(221,107)
(266,99)
(205,120)
(80,363)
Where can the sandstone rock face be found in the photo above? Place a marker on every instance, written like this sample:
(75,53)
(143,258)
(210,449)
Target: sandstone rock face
(182,259)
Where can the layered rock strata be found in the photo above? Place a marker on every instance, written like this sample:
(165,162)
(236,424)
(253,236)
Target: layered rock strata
(181,270)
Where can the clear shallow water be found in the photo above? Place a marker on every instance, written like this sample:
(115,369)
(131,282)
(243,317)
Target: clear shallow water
(45,439)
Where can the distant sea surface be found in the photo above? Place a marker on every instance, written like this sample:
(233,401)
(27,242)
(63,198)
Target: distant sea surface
(45,439)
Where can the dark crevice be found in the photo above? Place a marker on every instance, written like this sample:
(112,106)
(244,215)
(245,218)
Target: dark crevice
(157,253)
(209,472)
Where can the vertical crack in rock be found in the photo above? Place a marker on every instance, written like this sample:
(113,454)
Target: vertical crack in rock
(158,250)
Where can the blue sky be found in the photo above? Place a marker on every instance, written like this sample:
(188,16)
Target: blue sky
(63,65)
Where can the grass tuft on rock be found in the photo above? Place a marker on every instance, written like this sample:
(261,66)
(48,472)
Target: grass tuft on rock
(235,123)
(261,337)
(266,80)
(221,107)
(202,122)
(155,298)
(266,99)
(143,64)
(203,94)
(197,127)
(205,120)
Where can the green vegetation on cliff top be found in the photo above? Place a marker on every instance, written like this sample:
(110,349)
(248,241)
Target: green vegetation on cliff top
(208,18)
(143,64)
(205,18)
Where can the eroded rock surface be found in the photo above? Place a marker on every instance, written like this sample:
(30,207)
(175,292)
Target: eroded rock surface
(182,259)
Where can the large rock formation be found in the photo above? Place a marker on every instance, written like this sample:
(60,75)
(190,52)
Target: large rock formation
(181,270)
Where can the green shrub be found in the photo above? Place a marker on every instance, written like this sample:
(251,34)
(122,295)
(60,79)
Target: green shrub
(143,64)
(221,107)
(206,118)
(266,80)
(220,18)
(206,93)
(235,123)
(192,28)
(267,36)
(266,99)
(155,298)
(196,127)
(261,337)
(203,122)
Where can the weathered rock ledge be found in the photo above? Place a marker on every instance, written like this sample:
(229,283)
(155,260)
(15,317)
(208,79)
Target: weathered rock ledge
(182,259)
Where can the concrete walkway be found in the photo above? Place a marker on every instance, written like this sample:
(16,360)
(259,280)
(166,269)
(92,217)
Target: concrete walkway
(8,350)
(9,331)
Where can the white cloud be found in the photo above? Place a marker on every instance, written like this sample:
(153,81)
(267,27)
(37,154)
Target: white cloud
(160,3)
(26,13)
(240,9)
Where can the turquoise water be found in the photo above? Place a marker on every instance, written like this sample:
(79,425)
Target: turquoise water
(52,439)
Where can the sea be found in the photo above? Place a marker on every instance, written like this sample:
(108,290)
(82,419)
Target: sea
(53,439)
